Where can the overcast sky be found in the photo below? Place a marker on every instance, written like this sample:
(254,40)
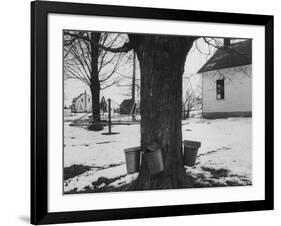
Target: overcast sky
(197,56)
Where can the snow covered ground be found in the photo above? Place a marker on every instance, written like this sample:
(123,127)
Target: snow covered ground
(224,157)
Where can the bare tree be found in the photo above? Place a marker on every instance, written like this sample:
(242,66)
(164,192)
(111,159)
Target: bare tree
(86,61)
(189,103)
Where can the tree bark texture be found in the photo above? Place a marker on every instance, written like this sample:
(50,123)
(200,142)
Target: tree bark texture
(133,87)
(162,60)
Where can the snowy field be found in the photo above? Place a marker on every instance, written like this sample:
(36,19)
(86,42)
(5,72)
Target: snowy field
(224,158)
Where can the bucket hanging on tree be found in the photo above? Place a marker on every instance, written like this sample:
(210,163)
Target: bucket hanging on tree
(153,157)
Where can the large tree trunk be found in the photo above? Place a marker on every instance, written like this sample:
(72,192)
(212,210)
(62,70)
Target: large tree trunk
(95,91)
(95,84)
(162,60)
(133,87)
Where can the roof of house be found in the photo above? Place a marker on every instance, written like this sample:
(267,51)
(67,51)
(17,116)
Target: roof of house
(236,54)
(127,102)
(76,98)
(103,101)
(80,95)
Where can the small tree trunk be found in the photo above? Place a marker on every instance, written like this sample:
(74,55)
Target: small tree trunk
(162,60)
(187,113)
(183,117)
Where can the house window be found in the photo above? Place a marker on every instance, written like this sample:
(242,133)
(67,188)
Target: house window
(220,89)
(82,100)
(89,100)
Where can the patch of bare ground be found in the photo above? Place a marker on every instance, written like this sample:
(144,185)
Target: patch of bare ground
(74,170)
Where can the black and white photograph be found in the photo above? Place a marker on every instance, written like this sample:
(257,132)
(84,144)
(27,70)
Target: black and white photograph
(140,112)
(152,112)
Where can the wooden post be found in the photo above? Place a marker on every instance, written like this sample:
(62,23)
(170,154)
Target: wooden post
(109,120)
(109,115)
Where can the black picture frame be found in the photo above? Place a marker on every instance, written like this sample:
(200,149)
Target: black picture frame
(39,112)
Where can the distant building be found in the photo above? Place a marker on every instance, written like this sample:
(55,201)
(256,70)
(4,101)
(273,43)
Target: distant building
(227,82)
(82,103)
(126,106)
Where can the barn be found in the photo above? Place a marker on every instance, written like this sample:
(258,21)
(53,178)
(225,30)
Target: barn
(126,106)
(227,82)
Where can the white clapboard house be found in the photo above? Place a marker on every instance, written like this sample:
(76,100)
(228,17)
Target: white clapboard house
(82,103)
(227,82)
